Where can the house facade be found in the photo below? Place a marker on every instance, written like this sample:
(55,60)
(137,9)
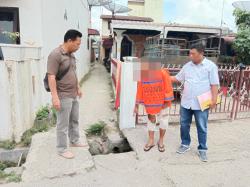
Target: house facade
(147,8)
(38,27)
(108,37)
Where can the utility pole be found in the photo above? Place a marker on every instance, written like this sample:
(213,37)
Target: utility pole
(221,25)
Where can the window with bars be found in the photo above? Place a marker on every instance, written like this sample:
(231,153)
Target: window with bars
(9,25)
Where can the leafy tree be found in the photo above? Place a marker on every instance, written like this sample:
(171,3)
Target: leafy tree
(242,42)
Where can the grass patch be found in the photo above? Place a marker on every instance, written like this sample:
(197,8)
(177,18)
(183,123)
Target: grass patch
(12,177)
(5,164)
(27,135)
(7,144)
(96,129)
(3,175)
(45,118)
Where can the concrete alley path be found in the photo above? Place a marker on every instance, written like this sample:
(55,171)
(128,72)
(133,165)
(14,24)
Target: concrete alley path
(228,154)
(96,103)
(228,166)
(43,162)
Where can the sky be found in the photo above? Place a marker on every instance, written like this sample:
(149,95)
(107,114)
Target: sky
(201,12)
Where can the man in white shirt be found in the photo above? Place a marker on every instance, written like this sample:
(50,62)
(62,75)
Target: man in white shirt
(200,75)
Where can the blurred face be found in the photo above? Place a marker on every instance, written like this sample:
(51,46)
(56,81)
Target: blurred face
(146,70)
(196,56)
(150,71)
(74,45)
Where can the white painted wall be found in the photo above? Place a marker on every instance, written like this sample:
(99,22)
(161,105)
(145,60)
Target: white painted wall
(127,94)
(42,27)
(5,118)
(42,24)
(30,19)
(105,32)
(22,92)
(54,27)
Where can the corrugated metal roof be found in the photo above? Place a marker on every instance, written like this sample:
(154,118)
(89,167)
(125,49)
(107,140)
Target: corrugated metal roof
(166,24)
(127,18)
(123,24)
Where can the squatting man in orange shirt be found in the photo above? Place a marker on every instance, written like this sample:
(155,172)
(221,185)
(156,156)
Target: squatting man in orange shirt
(155,93)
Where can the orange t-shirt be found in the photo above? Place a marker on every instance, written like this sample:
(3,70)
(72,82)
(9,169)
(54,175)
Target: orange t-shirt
(154,93)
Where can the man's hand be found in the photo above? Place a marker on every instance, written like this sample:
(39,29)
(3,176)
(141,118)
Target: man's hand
(56,103)
(213,105)
(136,109)
(55,99)
(79,93)
(214,91)
(165,105)
(173,79)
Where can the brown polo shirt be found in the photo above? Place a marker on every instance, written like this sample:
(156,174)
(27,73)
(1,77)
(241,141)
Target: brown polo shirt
(58,61)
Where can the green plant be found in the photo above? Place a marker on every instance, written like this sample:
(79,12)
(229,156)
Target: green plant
(242,45)
(242,42)
(26,138)
(96,129)
(7,144)
(27,135)
(3,175)
(6,164)
(11,35)
(12,177)
(43,113)
(242,18)
(225,59)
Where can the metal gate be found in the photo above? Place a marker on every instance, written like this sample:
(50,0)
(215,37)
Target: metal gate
(234,92)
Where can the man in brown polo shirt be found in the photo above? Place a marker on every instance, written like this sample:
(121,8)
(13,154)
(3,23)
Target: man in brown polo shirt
(65,91)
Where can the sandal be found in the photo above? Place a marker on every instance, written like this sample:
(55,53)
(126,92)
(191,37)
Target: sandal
(67,155)
(148,147)
(161,148)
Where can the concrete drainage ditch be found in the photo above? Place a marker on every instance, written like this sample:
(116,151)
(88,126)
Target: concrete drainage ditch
(11,162)
(108,142)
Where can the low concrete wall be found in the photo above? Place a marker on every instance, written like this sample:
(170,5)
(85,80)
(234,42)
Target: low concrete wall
(127,93)
(22,92)
(13,155)
(21,88)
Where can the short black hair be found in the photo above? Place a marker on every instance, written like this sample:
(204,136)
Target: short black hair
(72,35)
(199,47)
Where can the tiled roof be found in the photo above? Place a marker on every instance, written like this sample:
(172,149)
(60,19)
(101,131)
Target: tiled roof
(93,32)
